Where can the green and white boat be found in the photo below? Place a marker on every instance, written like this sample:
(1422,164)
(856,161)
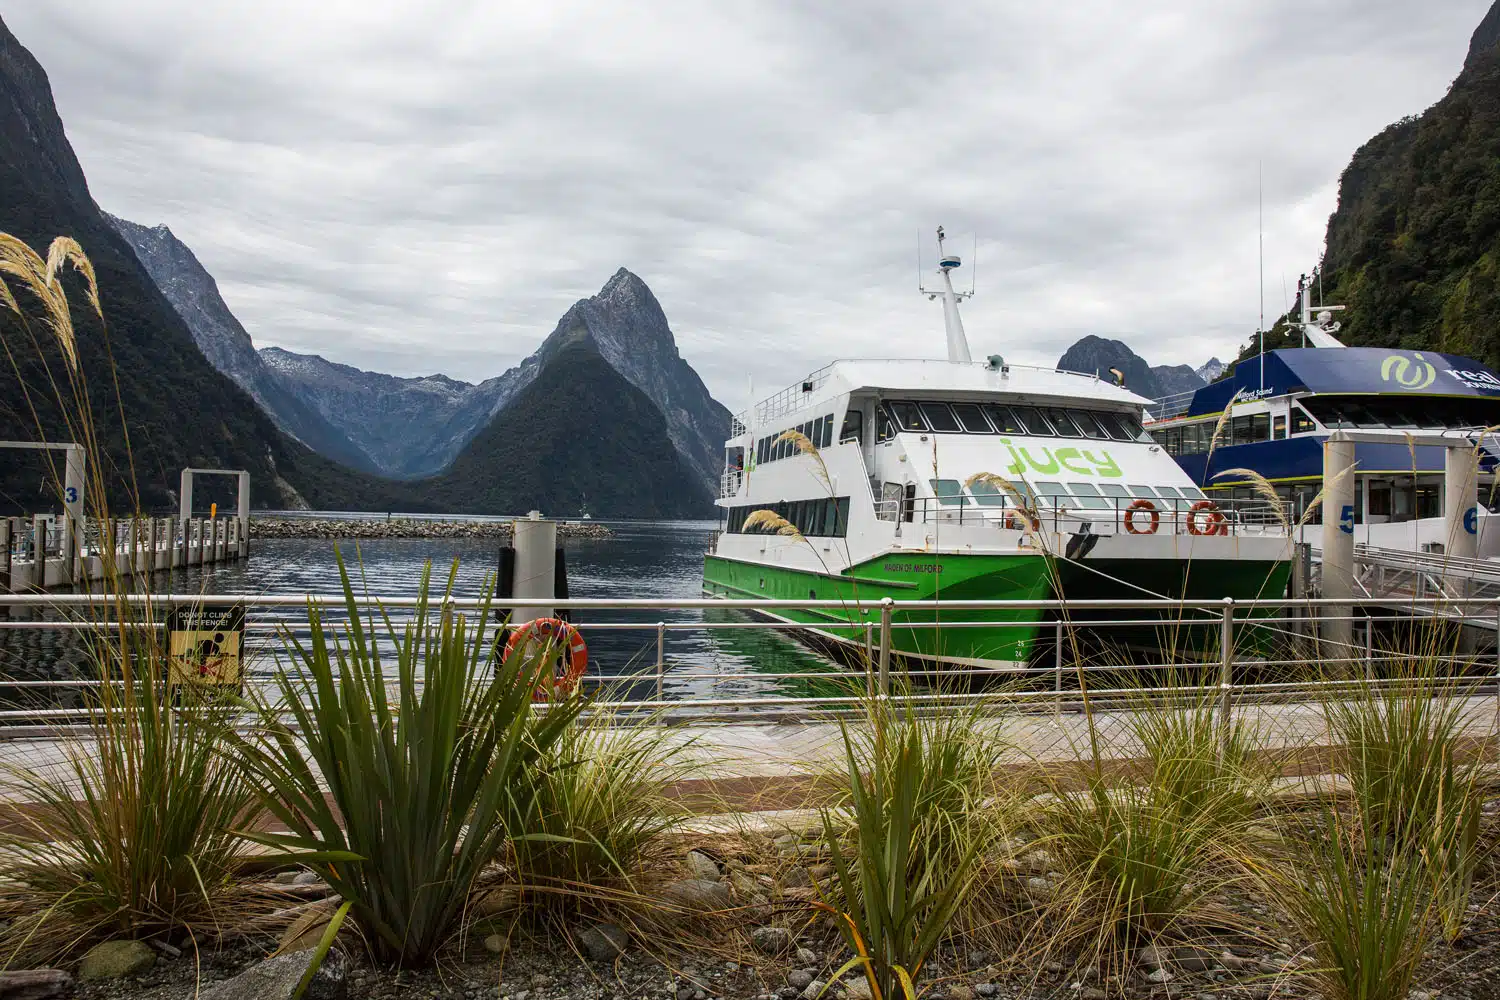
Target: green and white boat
(961,480)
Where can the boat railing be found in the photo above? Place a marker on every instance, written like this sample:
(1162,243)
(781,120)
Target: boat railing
(1068,514)
(1171,406)
(788,400)
(731,481)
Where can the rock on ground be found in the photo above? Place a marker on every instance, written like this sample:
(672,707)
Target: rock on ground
(771,940)
(697,894)
(116,959)
(277,977)
(603,942)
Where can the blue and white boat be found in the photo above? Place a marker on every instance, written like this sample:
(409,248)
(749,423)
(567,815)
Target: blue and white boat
(1284,403)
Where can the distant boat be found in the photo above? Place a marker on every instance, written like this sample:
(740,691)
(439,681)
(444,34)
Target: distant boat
(1284,404)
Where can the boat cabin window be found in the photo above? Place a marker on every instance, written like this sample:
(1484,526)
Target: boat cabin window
(1052,494)
(940,418)
(854,426)
(948,491)
(1301,422)
(987,494)
(1032,420)
(1088,496)
(1059,419)
(1278,427)
(1131,424)
(885,426)
(1112,426)
(1114,490)
(825,517)
(1167,492)
(972,418)
(1192,493)
(906,416)
(1087,424)
(1144,492)
(1003,419)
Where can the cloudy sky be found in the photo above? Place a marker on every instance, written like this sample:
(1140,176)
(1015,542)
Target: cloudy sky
(425,185)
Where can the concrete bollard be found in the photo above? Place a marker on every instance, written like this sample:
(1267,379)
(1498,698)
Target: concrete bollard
(1338,545)
(535,542)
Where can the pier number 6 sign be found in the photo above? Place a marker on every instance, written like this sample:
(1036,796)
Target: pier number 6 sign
(205,644)
(1471,520)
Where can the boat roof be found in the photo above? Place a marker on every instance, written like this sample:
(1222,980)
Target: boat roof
(925,377)
(1336,371)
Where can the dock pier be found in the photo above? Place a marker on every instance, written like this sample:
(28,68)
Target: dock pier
(45,550)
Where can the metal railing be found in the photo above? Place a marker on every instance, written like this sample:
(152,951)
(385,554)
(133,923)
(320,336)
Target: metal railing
(1101,515)
(1269,649)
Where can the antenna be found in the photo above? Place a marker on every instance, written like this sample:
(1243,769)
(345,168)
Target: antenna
(1260,239)
(953,325)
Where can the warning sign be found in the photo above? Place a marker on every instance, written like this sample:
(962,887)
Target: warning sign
(204,643)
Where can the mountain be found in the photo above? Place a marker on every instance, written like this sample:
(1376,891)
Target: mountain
(1096,356)
(1413,247)
(410,427)
(609,449)
(194,295)
(627,325)
(1210,370)
(179,410)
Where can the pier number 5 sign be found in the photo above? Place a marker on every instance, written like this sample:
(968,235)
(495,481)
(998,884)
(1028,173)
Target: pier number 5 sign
(204,644)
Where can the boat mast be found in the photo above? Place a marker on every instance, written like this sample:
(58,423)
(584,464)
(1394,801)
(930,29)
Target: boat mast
(953,324)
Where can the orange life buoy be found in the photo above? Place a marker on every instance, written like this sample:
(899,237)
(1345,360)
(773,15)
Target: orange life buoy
(1135,508)
(1214,519)
(557,637)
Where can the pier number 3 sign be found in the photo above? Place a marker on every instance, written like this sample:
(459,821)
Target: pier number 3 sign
(204,644)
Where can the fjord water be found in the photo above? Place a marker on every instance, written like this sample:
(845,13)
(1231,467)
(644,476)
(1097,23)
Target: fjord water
(655,559)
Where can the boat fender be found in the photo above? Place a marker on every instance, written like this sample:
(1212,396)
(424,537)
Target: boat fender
(1135,508)
(1211,523)
(559,639)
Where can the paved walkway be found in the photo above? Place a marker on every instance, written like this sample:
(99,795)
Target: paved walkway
(764,756)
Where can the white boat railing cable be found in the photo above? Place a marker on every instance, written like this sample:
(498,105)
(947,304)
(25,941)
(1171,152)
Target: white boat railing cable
(691,682)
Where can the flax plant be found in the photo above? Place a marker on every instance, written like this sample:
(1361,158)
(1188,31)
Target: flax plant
(915,788)
(419,787)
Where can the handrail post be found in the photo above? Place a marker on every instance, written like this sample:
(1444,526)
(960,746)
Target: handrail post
(886,606)
(870,656)
(661,658)
(1369,648)
(1057,662)
(1226,666)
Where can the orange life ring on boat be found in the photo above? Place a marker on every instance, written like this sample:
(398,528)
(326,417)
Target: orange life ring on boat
(555,635)
(1136,507)
(1211,524)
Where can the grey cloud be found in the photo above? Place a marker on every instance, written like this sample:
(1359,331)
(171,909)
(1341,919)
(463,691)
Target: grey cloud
(414,187)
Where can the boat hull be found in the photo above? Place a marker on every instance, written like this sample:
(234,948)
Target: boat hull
(999,639)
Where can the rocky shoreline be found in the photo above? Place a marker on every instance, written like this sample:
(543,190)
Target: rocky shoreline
(403,527)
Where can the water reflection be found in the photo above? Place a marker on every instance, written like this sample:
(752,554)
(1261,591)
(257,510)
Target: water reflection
(659,560)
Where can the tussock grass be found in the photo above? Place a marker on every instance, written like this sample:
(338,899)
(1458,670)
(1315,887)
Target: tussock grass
(1137,858)
(596,805)
(419,788)
(1369,915)
(1400,748)
(132,833)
